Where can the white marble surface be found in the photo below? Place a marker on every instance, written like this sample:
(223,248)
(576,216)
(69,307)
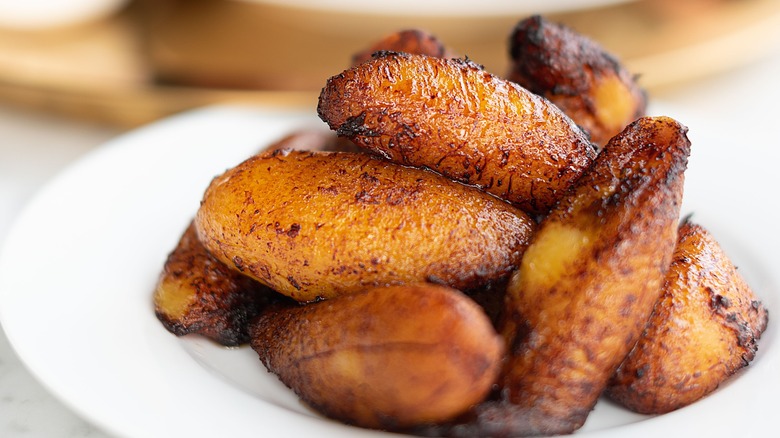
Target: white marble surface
(740,104)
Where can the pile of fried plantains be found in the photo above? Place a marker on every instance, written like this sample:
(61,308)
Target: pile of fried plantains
(469,255)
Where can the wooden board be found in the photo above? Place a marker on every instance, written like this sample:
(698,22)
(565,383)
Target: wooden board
(161,57)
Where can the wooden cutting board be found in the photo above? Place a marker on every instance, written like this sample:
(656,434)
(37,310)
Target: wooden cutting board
(160,57)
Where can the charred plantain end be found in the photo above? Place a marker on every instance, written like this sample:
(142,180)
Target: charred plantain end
(416,41)
(198,294)
(451,116)
(704,328)
(314,225)
(387,358)
(577,75)
(588,281)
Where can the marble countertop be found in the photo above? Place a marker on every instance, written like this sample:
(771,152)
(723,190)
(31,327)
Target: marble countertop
(740,104)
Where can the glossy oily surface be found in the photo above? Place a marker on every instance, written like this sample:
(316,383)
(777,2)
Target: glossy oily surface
(455,118)
(334,223)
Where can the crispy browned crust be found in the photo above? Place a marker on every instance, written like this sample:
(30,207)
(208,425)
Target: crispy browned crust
(568,68)
(626,209)
(586,286)
(416,41)
(704,328)
(383,358)
(218,302)
(315,225)
(451,116)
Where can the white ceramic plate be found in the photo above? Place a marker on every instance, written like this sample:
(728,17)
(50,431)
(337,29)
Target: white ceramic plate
(78,269)
(443,8)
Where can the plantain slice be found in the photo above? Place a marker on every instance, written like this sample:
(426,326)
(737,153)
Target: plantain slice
(384,357)
(597,264)
(586,286)
(704,328)
(415,41)
(451,116)
(314,225)
(196,293)
(575,72)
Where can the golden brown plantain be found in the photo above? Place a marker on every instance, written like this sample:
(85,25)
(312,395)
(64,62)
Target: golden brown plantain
(587,285)
(386,357)
(576,74)
(704,328)
(197,293)
(451,116)
(597,263)
(414,41)
(317,225)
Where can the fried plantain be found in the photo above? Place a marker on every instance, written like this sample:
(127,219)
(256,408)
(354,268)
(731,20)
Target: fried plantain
(384,357)
(576,74)
(451,116)
(586,286)
(597,263)
(704,328)
(416,41)
(196,293)
(315,225)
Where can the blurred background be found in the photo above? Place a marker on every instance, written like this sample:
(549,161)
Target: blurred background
(75,73)
(130,62)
